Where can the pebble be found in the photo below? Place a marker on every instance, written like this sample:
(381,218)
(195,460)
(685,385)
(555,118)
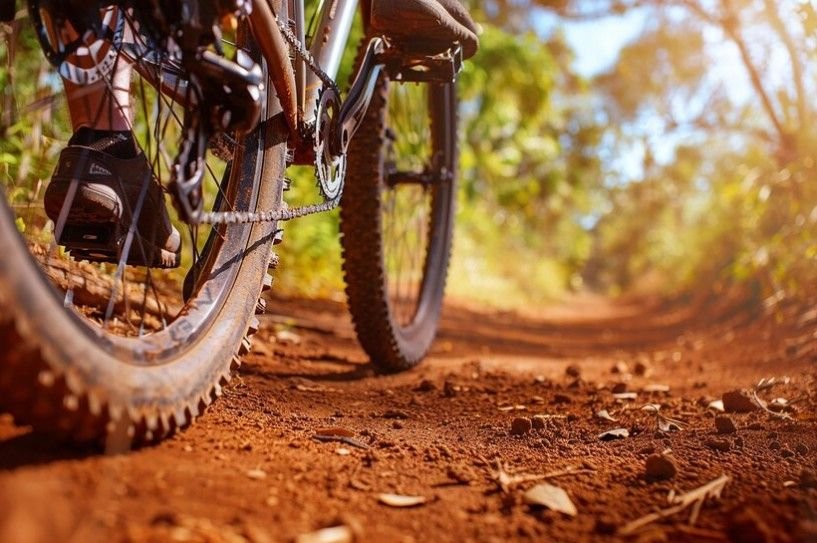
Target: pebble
(736,401)
(619,388)
(786,453)
(641,369)
(725,425)
(755,426)
(539,422)
(573,370)
(774,445)
(718,444)
(520,426)
(620,367)
(426,385)
(562,398)
(659,467)
(801,449)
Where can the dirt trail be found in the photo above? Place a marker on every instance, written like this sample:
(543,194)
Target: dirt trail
(251,470)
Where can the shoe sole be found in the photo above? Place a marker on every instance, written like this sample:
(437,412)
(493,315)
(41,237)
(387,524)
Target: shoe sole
(92,232)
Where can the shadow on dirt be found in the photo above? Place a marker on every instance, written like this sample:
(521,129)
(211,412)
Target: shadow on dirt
(30,449)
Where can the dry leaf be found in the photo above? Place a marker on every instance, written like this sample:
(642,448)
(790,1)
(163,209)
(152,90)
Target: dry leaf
(552,497)
(769,382)
(396,500)
(335,534)
(285,336)
(604,415)
(694,498)
(617,433)
(257,474)
(655,388)
(716,405)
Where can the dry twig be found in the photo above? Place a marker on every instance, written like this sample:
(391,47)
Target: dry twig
(694,498)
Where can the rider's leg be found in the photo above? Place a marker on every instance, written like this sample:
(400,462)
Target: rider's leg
(109,171)
(429,26)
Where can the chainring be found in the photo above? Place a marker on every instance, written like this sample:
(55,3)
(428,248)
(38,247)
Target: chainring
(330,169)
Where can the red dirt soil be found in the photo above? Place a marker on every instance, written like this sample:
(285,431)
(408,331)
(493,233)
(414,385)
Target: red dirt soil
(252,470)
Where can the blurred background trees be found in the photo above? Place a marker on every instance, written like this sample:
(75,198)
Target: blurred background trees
(684,160)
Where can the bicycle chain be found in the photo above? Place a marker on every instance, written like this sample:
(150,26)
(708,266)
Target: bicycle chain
(287,214)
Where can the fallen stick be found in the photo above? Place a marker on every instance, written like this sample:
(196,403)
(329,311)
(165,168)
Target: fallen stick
(694,497)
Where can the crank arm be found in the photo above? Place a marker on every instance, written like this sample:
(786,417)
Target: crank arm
(360,95)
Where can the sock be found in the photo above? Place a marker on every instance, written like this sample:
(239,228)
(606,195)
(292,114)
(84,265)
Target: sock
(119,144)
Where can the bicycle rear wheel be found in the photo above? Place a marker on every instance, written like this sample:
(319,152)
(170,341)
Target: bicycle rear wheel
(93,350)
(397,219)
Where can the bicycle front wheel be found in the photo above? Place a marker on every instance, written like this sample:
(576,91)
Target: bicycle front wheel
(99,349)
(397,219)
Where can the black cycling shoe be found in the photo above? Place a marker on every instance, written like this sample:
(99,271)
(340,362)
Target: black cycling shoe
(427,27)
(94,195)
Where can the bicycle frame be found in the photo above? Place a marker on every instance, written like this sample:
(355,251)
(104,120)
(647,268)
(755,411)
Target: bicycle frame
(298,87)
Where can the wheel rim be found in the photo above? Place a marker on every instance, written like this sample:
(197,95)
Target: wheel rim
(140,311)
(416,200)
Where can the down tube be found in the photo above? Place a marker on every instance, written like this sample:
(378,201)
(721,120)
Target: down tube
(328,45)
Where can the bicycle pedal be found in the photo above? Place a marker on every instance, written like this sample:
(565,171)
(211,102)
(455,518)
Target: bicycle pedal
(418,68)
(102,237)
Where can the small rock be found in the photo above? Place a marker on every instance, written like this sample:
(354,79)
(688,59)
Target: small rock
(774,445)
(801,449)
(725,425)
(786,453)
(620,367)
(520,426)
(397,425)
(721,445)
(736,401)
(449,389)
(808,479)
(539,422)
(562,398)
(738,442)
(618,433)
(755,426)
(395,414)
(573,370)
(426,385)
(619,388)
(659,468)
(641,369)
(747,526)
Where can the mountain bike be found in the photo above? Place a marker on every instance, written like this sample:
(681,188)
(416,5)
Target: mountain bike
(229,94)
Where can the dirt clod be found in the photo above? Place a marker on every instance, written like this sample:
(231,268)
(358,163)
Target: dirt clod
(737,401)
(539,422)
(659,467)
(573,370)
(520,426)
(725,425)
(721,445)
(641,369)
(619,388)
